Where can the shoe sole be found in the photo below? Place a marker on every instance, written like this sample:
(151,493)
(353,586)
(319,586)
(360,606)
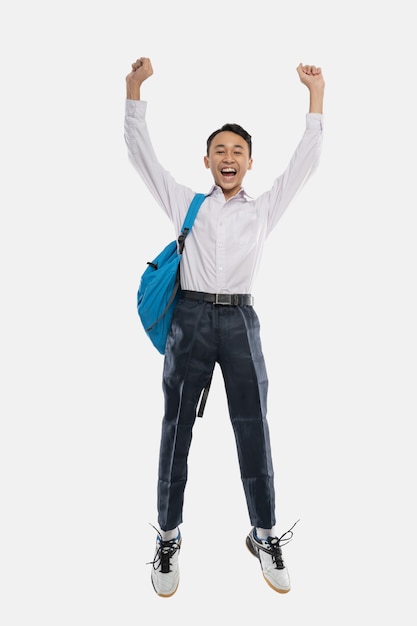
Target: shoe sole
(165,595)
(255,553)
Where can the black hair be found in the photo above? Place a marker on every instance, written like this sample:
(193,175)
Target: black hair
(233,128)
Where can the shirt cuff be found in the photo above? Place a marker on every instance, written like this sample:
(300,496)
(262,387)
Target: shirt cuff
(135,108)
(314,121)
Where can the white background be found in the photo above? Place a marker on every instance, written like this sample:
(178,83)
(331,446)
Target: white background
(81,400)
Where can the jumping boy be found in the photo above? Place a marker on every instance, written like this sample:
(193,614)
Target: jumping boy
(215,320)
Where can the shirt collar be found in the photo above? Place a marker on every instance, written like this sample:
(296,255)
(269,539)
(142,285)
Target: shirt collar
(216,190)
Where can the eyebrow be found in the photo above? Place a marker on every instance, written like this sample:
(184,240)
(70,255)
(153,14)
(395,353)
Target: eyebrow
(222,145)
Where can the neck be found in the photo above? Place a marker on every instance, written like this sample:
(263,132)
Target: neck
(229,193)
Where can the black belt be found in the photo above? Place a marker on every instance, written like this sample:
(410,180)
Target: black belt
(225,299)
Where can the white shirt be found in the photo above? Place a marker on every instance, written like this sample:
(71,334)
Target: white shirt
(224,248)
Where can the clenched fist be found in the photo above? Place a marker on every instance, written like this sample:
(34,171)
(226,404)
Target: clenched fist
(141,70)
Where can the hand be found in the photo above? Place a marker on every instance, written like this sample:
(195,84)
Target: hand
(141,70)
(311,76)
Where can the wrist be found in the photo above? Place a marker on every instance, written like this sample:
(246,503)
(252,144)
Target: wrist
(132,91)
(316,98)
(317,89)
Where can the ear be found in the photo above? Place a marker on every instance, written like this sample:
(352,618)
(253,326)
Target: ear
(206,162)
(250,164)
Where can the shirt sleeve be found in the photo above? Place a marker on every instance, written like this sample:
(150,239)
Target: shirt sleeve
(303,163)
(171,196)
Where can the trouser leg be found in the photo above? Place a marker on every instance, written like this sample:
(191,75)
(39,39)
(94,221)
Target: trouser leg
(188,365)
(244,372)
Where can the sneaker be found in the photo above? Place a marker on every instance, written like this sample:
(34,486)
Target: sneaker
(268,551)
(165,573)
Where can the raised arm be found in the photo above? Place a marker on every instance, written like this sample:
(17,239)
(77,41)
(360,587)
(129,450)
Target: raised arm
(312,77)
(141,70)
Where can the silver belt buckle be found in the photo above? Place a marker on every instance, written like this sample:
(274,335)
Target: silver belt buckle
(223,298)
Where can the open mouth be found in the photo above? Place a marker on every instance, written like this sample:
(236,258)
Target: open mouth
(228,172)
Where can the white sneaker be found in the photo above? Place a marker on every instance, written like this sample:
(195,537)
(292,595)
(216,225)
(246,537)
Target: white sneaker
(165,573)
(268,551)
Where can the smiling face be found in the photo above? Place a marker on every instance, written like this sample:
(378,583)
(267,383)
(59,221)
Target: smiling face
(229,160)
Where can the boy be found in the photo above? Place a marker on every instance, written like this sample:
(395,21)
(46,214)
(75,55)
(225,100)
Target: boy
(215,321)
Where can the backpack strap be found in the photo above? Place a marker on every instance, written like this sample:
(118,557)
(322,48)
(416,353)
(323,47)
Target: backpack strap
(186,227)
(204,395)
(193,210)
(189,219)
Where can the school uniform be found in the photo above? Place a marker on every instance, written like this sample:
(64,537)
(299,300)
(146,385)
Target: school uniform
(215,320)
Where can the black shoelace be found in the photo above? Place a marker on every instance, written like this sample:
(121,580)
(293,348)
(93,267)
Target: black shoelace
(164,554)
(275,544)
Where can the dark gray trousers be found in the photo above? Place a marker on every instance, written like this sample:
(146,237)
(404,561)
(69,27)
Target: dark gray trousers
(203,334)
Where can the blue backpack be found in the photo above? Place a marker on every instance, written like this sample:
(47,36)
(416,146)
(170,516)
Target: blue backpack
(159,288)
